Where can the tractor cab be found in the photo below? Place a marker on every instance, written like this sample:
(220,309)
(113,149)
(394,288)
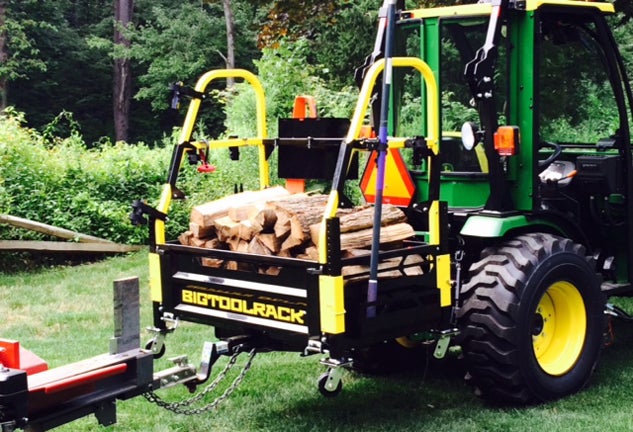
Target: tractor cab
(535,117)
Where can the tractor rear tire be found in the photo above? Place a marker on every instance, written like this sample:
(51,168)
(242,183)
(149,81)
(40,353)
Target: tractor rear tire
(532,319)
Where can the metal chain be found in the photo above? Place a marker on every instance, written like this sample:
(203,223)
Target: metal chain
(180,407)
(457,285)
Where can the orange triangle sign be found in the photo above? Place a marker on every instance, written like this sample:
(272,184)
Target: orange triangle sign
(399,186)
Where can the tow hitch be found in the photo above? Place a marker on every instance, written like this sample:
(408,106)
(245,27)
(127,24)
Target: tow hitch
(185,373)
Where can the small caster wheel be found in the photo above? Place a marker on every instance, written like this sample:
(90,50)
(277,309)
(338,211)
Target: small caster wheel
(161,352)
(328,387)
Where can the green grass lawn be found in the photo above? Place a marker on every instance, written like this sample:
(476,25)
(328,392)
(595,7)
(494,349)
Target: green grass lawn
(65,315)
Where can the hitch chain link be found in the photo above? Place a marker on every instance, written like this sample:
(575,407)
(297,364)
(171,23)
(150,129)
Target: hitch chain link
(182,406)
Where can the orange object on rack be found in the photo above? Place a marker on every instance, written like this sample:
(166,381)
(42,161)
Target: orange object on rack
(304,107)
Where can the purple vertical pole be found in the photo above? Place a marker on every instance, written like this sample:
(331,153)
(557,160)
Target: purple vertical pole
(387,78)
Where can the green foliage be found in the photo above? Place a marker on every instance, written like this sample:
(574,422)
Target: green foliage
(285,73)
(576,98)
(623,31)
(23,55)
(340,50)
(64,74)
(295,19)
(190,34)
(596,118)
(179,44)
(339,33)
(62,183)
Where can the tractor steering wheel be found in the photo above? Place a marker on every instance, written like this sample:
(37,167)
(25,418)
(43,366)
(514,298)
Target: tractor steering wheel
(543,164)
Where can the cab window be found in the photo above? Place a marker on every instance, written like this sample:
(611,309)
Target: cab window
(576,102)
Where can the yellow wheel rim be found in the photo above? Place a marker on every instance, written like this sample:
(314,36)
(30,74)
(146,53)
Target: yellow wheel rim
(407,342)
(559,327)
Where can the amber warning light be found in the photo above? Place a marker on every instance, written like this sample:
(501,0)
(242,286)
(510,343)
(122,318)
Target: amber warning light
(507,140)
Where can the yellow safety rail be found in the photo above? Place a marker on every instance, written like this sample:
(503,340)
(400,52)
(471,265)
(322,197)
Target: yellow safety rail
(360,111)
(331,298)
(185,137)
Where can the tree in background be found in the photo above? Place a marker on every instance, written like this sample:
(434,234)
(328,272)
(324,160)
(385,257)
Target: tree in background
(340,59)
(179,44)
(625,7)
(19,53)
(122,87)
(294,19)
(230,37)
(59,54)
(53,70)
(4,55)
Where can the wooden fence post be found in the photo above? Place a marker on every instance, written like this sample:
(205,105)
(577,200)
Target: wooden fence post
(126,316)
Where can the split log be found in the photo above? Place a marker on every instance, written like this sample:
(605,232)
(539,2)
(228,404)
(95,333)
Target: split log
(388,269)
(247,230)
(270,241)
(388,234)
(212,262)
(273,271)
(282,225)
(362,219)
(198,242)
(226,228)
(201,231)
(265,220)
(256,246)
(214,243)
(205,214)
(185,238)
(237,245)
(353,253)
(245,212)
(311,253)
(300,211)
(284,254)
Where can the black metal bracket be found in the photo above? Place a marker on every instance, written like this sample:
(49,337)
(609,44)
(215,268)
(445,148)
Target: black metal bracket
(479,73)
(140,209)
(420,148)
(374,144)
(178,90)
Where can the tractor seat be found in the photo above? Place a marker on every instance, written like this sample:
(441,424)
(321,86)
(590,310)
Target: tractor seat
(558,172)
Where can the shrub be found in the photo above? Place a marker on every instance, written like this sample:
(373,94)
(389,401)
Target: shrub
(285,72)
(62,183)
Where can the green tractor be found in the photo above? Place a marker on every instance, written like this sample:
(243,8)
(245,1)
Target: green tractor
(537,187)
(520,155)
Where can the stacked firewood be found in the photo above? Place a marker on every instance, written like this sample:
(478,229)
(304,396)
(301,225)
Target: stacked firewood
(274,222)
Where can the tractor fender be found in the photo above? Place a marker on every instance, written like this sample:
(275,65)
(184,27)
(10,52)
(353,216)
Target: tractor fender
(500,226)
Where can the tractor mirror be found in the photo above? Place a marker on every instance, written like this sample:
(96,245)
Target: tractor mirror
(471,135)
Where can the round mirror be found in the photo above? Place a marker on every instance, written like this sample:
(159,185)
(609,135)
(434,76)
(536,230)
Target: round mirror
(469,135)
